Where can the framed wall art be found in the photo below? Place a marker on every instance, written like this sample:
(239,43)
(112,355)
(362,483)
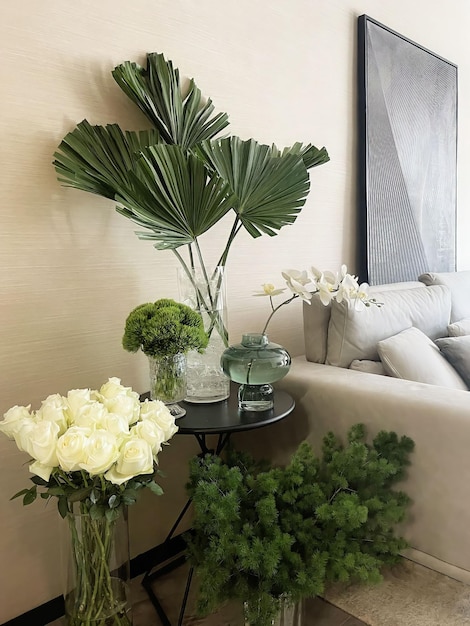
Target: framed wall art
(407,121)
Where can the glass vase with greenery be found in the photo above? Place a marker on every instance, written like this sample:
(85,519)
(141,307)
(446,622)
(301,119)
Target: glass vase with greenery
(165,331)
(267,535)
(177,179)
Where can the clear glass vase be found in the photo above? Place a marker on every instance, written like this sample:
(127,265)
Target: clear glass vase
(286,614)
(255,363)
(168,381)
(96,561)
(204,290)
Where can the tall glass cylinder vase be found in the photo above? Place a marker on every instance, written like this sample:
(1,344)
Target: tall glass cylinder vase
(204,290)
(96,562)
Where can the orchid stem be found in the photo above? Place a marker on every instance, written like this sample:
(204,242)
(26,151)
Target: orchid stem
(276,309)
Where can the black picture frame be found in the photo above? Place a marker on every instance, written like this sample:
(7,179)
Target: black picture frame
(407,157)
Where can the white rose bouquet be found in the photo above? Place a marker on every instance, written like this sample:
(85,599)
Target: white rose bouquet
(93,451)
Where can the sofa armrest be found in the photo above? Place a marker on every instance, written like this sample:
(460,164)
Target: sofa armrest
(330,398)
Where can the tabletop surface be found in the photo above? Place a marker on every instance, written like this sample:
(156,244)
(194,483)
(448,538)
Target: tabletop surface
(225,416)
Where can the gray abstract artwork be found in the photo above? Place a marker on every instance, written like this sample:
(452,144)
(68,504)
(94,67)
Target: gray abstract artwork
(407,154)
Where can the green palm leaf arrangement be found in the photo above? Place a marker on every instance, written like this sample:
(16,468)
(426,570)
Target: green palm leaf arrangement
(177,180)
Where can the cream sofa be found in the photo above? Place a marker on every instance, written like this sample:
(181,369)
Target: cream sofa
(330,395)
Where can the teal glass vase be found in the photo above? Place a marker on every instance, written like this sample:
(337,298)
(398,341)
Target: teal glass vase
(255,363)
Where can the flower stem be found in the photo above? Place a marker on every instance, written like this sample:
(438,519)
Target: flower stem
(263,332)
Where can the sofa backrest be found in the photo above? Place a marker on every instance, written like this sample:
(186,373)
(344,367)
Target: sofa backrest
(459,285)
(341,333)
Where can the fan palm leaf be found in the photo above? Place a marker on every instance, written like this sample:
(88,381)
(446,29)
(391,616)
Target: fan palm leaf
(173,196)
(268,188)
(311,155)
(99,159)
(182,119)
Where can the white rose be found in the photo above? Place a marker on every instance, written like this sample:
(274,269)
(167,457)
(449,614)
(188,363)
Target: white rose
(135,458)
(120,400)
(156,411)
(22,434)
(113,388)
(43,443)
(13,419)
(53,409)
(150,432)
(101,452)
(71,448)
(127,406)
(116,424)
(92,415)
(76,400)
(43,471)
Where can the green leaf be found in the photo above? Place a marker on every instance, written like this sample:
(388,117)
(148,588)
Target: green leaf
(30,496)
(128,500)
(37,480)
(56,491)
(97,511)
(173,196)
(94,496)
(114,501)
(112,514)
(79,494)
(155,488)
(181,118)
(20,493)
(312,156)
(268,188)
(62,505)
(98,159)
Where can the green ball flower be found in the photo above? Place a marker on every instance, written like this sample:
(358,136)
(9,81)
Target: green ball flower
(164,328)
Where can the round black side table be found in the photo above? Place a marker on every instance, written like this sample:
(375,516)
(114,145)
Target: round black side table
(202,420)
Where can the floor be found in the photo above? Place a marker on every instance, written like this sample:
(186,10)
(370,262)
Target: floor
(169,591)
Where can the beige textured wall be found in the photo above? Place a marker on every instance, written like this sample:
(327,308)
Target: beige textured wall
(71,268)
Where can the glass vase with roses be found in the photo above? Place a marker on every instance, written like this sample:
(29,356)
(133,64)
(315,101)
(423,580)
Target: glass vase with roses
(93,450)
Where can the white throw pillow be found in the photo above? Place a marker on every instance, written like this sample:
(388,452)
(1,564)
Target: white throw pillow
(370,367)
(457,351)
(413,356)
(458,329)
(354,333)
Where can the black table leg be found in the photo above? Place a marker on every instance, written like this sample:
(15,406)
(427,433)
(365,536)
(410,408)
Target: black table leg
(150,577)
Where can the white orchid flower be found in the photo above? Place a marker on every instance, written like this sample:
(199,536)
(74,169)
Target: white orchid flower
(327,281)
(347,289)
(325,291)
(339,286)
(269,290)
(300,284)
(350,289)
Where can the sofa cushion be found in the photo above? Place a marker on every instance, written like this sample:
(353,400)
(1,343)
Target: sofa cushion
(457,351)
(353,332)
(459,285)
(458,329)
(413,356)
(316,317)
(371,367)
